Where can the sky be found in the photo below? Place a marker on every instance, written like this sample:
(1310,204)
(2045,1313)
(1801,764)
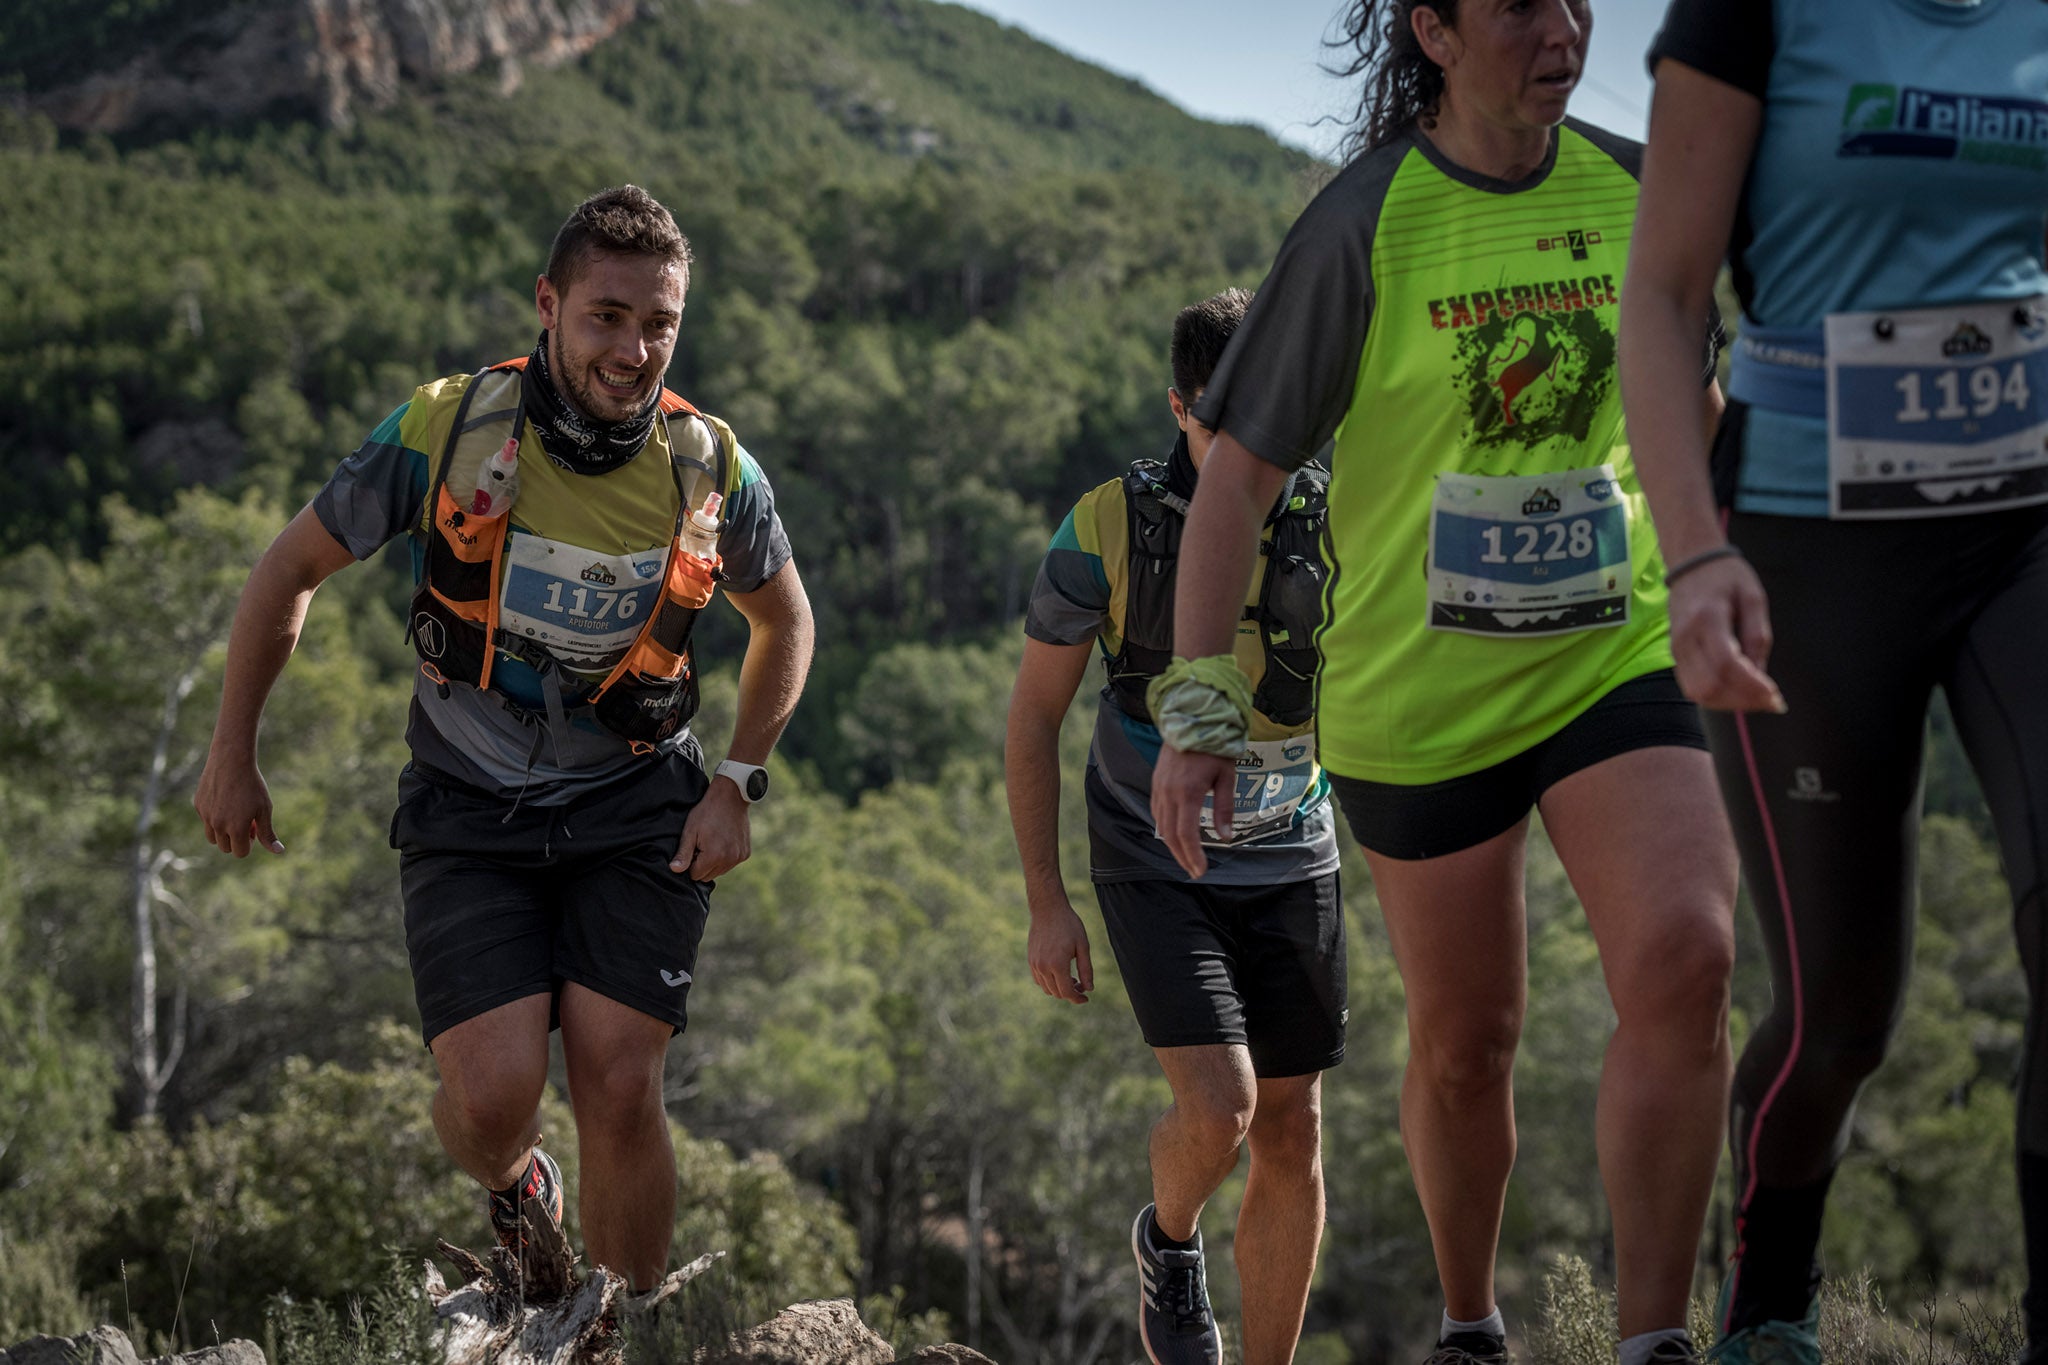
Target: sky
(1259,61)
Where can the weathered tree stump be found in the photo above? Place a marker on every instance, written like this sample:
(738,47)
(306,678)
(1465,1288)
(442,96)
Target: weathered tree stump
(535,1308)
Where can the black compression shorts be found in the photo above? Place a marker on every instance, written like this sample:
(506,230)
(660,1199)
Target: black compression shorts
(1257,965)
(1435,818)
(504,901)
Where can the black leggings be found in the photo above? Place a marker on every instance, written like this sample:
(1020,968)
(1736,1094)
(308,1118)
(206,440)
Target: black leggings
(1869,617)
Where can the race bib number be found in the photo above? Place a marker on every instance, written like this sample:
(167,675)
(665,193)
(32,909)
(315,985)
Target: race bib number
(1544,554)
(1273,779)
(1937,411)
(586,608)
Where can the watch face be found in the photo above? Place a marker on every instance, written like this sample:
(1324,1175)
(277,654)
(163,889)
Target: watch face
(757,784)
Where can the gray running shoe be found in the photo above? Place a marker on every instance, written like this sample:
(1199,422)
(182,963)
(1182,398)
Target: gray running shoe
(1469,1348)
(1174,1320)
(1681,1352)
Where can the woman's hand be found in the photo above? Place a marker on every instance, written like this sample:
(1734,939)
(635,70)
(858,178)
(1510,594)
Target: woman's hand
(1721,637)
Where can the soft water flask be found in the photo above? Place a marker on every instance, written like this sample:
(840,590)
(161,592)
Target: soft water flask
(700,528)
(498,486)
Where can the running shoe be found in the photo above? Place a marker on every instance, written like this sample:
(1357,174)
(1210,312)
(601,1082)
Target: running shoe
(1771,1343)
(1675,1353)
(1768,1343)
(543,1182)
(1469,1348)
(1174,1319)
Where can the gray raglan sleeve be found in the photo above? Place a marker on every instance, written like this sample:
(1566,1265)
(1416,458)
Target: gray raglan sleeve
(1287,378)
(1070,597)
(375,494)
(753,544)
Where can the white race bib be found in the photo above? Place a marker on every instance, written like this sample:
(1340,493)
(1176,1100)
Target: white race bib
(1937,411)
(586,608)
(1274,776)
(1542,554)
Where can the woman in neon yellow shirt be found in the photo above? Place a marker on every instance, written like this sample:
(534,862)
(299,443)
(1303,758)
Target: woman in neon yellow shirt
(1496,641)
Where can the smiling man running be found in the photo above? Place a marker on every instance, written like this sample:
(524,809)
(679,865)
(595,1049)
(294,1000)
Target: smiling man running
(569,518)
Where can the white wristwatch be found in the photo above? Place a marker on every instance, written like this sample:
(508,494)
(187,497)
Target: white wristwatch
(751,780)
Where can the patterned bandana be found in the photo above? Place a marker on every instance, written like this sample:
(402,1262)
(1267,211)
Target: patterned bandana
(574,441)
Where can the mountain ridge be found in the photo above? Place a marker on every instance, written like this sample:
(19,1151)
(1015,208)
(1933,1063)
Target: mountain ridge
(253,57)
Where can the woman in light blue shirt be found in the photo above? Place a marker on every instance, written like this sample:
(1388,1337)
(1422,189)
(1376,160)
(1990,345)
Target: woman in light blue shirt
(1872,522)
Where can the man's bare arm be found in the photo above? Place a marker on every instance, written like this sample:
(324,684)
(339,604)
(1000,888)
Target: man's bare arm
(232,799)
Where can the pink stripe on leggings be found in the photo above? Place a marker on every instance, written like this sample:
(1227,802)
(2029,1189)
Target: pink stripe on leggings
(1756,1127)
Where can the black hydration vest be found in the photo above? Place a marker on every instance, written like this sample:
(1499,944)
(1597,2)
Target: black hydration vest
(1289,610)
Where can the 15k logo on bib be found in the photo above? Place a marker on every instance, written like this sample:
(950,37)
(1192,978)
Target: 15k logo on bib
(1541,554)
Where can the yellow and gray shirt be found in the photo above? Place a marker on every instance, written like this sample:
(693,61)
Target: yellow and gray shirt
(1079,597)
(584,552)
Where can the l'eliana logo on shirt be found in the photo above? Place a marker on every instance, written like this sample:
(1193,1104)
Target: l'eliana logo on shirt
(1892,120)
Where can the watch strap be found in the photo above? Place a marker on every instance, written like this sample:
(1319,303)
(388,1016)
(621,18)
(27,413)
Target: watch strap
(750,778)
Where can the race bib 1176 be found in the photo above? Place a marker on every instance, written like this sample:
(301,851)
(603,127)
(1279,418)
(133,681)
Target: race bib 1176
(586,608)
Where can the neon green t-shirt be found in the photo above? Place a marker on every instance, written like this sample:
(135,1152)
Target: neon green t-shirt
(1494,568)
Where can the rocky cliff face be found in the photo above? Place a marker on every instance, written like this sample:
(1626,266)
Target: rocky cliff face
(329,56)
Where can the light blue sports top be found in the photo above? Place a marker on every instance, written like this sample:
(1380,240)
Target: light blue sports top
(1903,161)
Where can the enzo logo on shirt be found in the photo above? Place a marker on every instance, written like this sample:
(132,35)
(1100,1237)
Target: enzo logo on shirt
(1575,241)
(1943,125)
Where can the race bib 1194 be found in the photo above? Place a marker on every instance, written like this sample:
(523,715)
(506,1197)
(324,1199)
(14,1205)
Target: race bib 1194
(1937,411)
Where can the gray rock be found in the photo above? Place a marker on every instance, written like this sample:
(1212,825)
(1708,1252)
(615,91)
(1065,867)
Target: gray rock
(949,1354)
(819,1332)
(227,1353)
(110,1346)
(100,1346)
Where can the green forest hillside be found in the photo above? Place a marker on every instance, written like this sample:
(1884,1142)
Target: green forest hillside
(937,263)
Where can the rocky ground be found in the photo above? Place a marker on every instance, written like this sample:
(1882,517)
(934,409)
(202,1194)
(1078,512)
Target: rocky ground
(542,1308)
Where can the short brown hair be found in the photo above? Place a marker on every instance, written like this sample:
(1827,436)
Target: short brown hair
(626,220)
(1200,333)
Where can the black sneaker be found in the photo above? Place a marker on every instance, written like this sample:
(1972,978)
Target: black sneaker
(543,1182)
(1469,1348)
(1174,1321)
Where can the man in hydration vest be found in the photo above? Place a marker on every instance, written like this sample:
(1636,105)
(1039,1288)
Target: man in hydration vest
(1237,980)
(558,835)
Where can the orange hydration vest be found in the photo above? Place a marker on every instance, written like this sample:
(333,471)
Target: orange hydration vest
(651,693)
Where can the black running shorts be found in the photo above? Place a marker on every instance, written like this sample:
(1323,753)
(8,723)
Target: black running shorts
(504,901)
(1257,965)
(1436,818)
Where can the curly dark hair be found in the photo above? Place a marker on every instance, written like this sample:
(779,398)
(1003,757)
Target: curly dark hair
(626,221)
(1402,85)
